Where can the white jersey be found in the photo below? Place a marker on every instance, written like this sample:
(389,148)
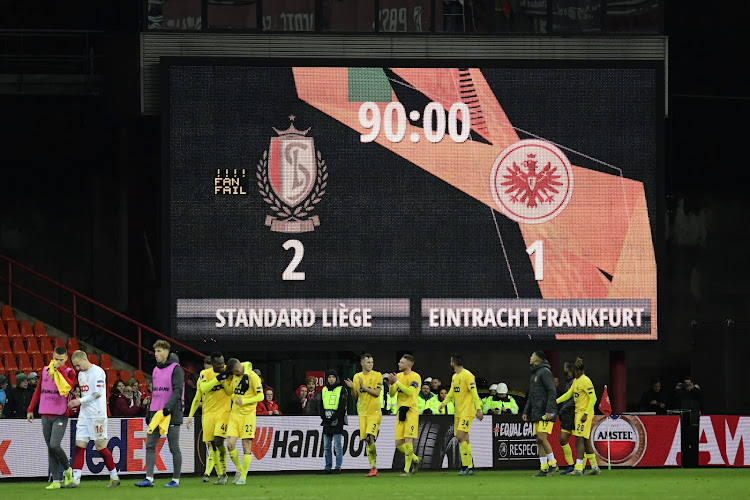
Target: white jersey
(92,383)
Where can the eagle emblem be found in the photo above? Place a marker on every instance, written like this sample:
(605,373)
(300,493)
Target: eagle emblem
(531,181)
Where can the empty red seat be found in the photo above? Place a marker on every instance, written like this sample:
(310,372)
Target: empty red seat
(58,342)
(9,360)
(37,362)
(24,363)
(17,346)
(39,329)
(105,361)
(72,345)
(111,377)
(25,328)
(2,368)
(3,333)
(31,345)
(124,375)
(6,313)
(45,345)
(5,345)
(12,328)
(93,358)
(12,376)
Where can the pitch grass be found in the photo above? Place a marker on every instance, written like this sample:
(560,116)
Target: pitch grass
(647,484)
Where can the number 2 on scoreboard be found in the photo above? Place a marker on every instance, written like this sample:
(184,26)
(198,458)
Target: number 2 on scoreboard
(290,273)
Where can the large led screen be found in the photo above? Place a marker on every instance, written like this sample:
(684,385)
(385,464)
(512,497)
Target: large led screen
(501,203)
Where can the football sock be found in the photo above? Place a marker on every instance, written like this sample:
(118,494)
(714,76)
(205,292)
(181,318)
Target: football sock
(78,459)
(108,460)
(551,459)
(543,461)
(409,454)
(401,448)
(235,456)
(592,459)
(223,460)
(217,460)
(209,461)
(246,459)
(568,453)
(471,456)
(579,464)
(464,453)
(371,454)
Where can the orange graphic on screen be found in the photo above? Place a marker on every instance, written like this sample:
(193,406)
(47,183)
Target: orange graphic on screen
(603,228)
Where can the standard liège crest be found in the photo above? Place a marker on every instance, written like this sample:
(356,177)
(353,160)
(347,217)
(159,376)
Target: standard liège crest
(292,179)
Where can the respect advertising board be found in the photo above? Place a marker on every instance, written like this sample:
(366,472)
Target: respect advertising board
(634,441)
(296,443)
(23,452)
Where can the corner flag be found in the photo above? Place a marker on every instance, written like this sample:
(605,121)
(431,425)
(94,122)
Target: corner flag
(606,408)
(604,405)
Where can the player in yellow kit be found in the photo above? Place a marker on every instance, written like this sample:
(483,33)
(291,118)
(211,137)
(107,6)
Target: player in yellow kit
(583,392)
(196,404)
(405,386)
(246,390)
(216,407)
(463,392)
(366,388)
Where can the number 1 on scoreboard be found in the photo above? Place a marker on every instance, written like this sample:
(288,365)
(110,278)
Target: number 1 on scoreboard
(537,250)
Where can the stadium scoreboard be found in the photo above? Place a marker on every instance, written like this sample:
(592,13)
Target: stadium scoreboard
(342,202)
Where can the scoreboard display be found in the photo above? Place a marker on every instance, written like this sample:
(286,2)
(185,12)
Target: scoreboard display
(506,203)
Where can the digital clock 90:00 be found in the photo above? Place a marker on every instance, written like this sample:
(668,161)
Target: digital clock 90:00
(433,122)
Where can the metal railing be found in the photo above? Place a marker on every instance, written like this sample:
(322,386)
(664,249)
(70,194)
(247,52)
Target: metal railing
(77,300)
(568,17)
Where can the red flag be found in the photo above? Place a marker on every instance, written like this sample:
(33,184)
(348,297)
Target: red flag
(605,405)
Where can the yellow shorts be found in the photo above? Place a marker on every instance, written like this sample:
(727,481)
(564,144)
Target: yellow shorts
(215,426)
(583,429)
(543,426)
(369,424)
(566,431)
(241,426)
(408,428)
(462,423)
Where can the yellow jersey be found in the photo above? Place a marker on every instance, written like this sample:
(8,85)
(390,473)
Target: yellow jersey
(463,392)
(412,381)
(215,399)
(583,393)
(367,404)
(247,386)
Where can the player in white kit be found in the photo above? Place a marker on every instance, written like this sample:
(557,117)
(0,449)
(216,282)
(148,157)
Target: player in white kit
(92,420)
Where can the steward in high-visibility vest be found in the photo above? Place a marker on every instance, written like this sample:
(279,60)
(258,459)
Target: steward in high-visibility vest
(450,408)
(427,401)
(333,415)
(504,404)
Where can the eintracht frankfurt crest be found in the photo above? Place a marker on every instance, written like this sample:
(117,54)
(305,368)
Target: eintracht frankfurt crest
(292,178)
(531,181)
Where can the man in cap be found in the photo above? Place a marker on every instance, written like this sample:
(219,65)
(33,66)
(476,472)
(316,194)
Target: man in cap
(19,398)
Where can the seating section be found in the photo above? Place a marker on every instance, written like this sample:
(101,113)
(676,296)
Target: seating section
(27,347)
